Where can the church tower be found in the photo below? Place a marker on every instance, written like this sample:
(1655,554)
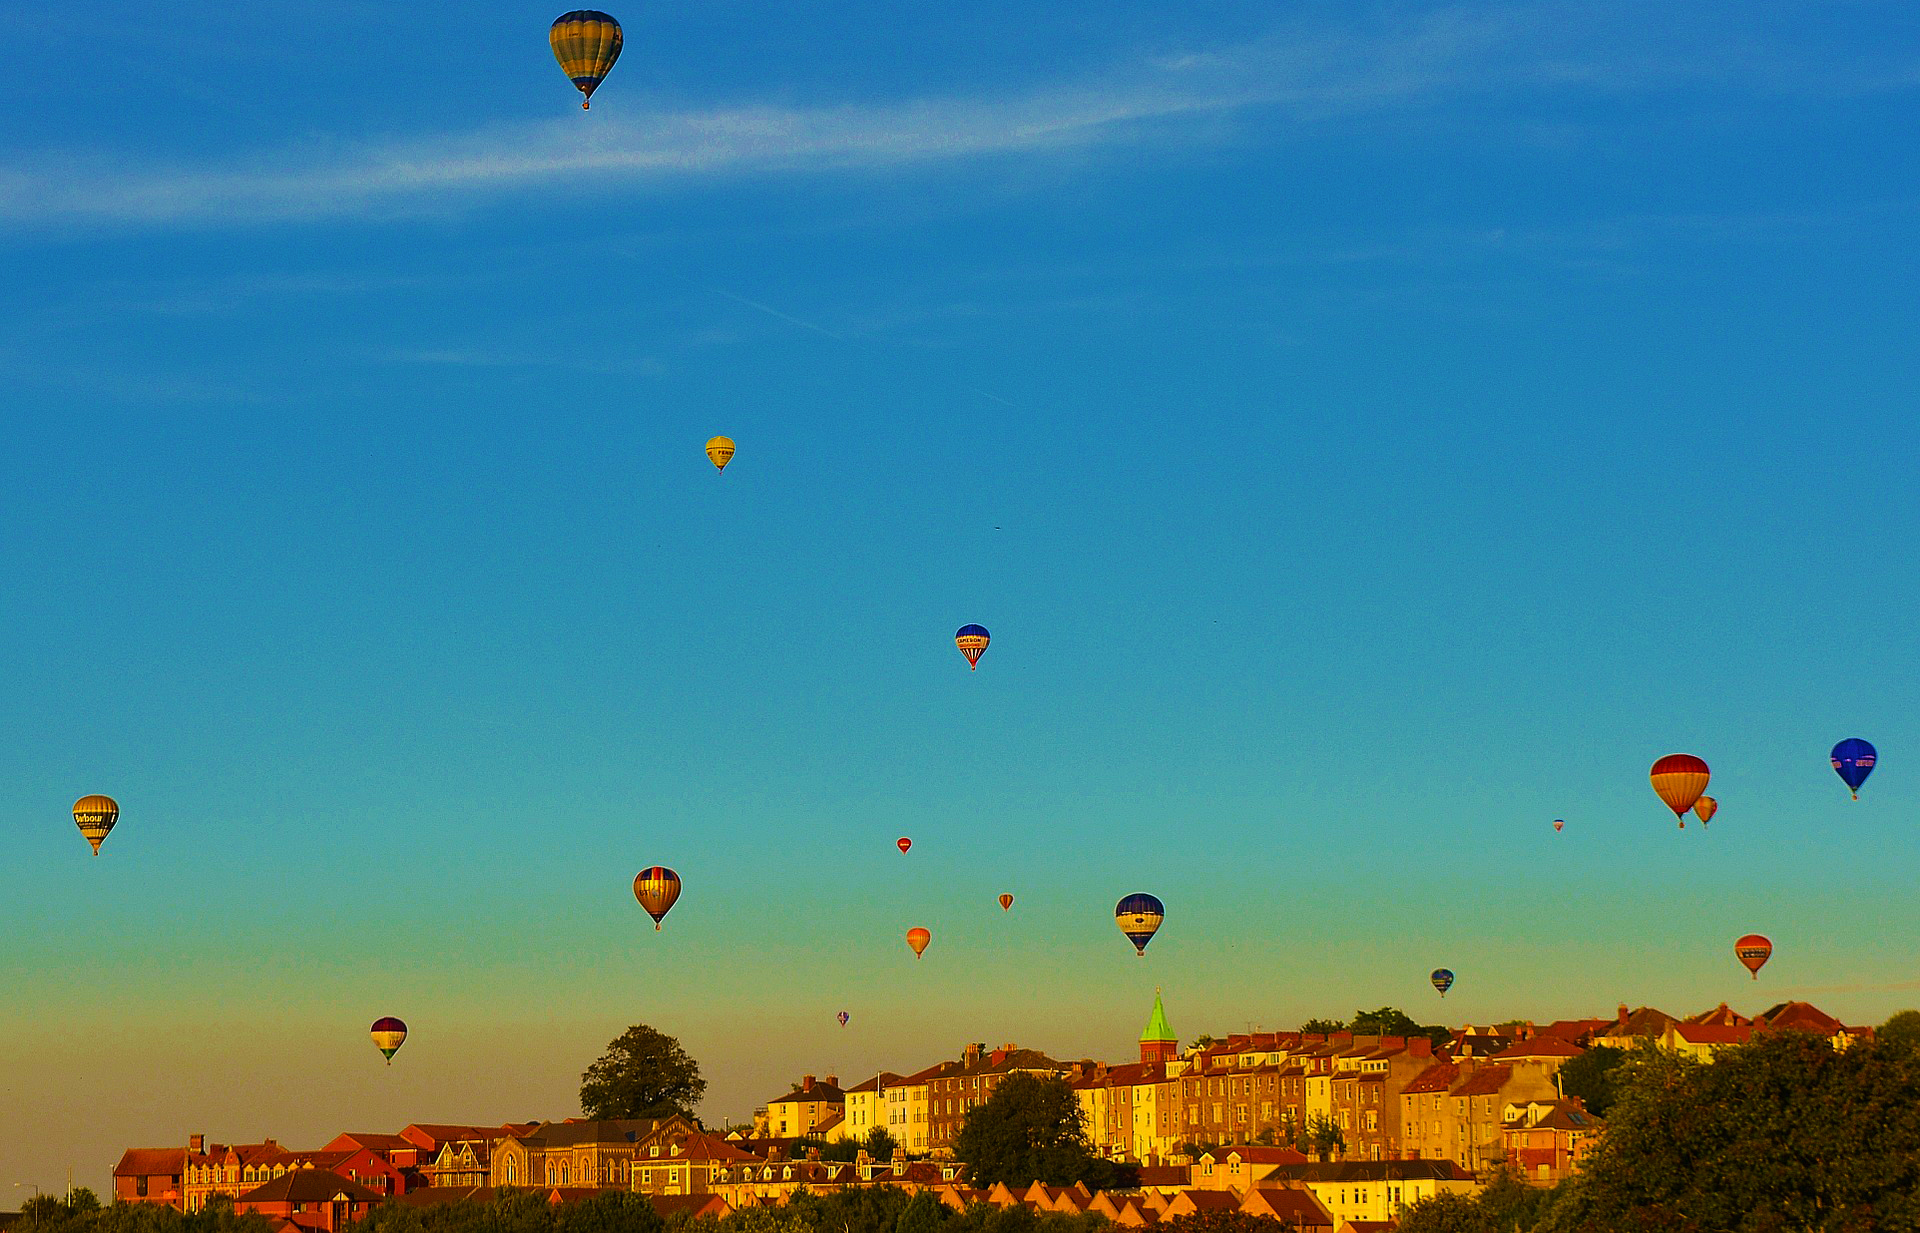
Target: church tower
(1157,1043)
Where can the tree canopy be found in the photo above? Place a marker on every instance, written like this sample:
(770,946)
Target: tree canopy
(644,1073)
(1031,1129)
(1592,1076)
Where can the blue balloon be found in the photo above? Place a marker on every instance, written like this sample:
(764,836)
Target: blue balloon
(1442,979)
(1853,759)
(1139,916)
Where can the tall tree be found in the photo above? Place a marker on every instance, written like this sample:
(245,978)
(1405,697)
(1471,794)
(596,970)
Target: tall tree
(1592,1075)
(644,1073)
(1392,1021)
(1031,1129)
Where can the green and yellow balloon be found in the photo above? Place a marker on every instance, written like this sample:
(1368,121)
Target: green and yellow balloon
(586,42)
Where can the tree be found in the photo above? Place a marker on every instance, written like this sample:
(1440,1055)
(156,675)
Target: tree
(1212,1221)
(1322,1137)
(1902,1028)
(1204,1040)
(1031,1129)
(643,1074)
(1781,1133)
(1323,1027)
(1592,1076)
(1392,1021)
(881,1145)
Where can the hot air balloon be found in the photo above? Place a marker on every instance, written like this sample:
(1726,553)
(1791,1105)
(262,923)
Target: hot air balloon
(1139,916)
(720,451)
(656,889)
(1559,824)
(1680,779)
(1006,903)
(1853,759)
(586,42)
(95,816)
(1442,979)
(972,641)
(918,938)
(1705,808)
(388,1035)
(1753,951)
(843,1016)
(903,843)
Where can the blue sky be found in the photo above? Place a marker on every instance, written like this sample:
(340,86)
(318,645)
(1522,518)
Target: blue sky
(1370,431)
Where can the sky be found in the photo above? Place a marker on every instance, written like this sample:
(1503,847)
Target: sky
(1369,430)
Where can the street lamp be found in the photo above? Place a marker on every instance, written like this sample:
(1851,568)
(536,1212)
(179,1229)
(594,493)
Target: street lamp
(36,1189)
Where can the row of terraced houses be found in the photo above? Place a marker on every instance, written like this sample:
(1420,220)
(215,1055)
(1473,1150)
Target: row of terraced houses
(1206,1125)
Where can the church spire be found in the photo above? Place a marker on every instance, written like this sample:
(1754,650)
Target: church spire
(1158,1043)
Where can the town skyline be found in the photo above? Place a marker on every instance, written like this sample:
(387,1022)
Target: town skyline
(1372,433)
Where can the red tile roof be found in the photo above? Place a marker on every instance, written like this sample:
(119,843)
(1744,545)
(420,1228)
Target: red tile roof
(151,1162)
(1486,1082)
(1254,1153)
(1541,1046)
(1713,1033)
(1436,1078)
(309,1186)
(1802,1016)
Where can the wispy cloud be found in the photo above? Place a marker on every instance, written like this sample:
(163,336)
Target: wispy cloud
(1307,73)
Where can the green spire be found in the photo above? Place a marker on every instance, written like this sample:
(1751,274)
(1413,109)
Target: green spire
(1157,1029)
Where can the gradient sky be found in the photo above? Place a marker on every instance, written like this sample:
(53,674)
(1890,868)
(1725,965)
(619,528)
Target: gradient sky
(1370,431)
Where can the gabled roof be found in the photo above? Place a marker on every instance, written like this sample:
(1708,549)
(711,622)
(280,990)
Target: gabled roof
(611,1130)
(1254,1153)
(1719,1016)
(1575,1030)
(1802,1016)
(1713,1033)
(1216,1200)
(1540,1046)
(821,1092)
(376,1142)
(932,1072)
(1288,1204)
(309,1186)
(1643,1022)
(1022,1059)
(1486,1081)
(1438,1077)
(705,1148)
(151,1162)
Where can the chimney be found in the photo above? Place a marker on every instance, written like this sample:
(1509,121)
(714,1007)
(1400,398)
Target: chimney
(806,1083)
(1420,1046)
(1623,1014)
(998,1055)
(197,1144)
(833,1080)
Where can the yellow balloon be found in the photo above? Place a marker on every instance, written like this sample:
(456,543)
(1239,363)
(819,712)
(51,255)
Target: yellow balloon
(720,450)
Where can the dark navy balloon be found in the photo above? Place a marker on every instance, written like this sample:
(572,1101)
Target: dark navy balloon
(1139,917)
(1853,760)
(1442,979)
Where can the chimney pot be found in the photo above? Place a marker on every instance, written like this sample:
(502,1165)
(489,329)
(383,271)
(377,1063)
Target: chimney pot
(1622,1013)
(806,1083)
(197,1143)
(833,1080)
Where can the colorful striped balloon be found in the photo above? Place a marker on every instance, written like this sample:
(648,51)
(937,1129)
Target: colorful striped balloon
(1680,779)
(388,1035)
(95,816)
(586,42)
(656,888)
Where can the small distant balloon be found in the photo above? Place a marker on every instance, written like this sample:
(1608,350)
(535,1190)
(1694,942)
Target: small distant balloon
(95,816)
(843,1016)
(917,938)
(1753,951)
(1442,979)
(586,42)
(1006,903)
(1853,760)
(656,888)
(972,641)
(1559,824)
(1705,808)
(903,843)
(1680,779)
(388,1035)
(720,451)
(1139,916)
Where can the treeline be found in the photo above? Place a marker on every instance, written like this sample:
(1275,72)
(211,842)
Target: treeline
(1783,1133)
(83,1214)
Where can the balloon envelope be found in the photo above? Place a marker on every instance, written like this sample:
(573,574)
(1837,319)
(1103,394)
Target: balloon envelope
(1680,779)
(1442,979)
(95,816)
(586,42)
(1006,902)
(843,1016)
(1853,759)
(972,641)
(1139,916)
(656,889)
(1559,824)
(388,1035)
(720,451)
(1705,808)
(918,938)
(903,843)
(1753,951)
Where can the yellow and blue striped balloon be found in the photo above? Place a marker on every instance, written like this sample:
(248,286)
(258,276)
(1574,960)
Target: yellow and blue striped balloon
(586,42)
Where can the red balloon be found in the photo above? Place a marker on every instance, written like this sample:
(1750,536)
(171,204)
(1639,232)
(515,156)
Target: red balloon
(1753,951)
(1006,902)
(903,843)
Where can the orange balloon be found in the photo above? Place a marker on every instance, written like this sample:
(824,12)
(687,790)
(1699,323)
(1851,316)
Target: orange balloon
(1705,808)
(656,889)
(1006,902)
(1680,779)
(918,939)
(1753,951)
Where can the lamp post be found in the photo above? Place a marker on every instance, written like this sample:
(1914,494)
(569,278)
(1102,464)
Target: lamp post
(36,1189)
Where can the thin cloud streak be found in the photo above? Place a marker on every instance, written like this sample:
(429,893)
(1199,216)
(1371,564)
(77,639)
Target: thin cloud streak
(1311,77)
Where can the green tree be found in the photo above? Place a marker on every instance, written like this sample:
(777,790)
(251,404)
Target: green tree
(1321,1137)
(1592,1076)
(881,1145)
(1031,1129)
(613,1211)
(1392,1021)
(1211,1221)
(1323,1027)
(1783,1133)
(1902,1028)
(643,1073)
(925,1213)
